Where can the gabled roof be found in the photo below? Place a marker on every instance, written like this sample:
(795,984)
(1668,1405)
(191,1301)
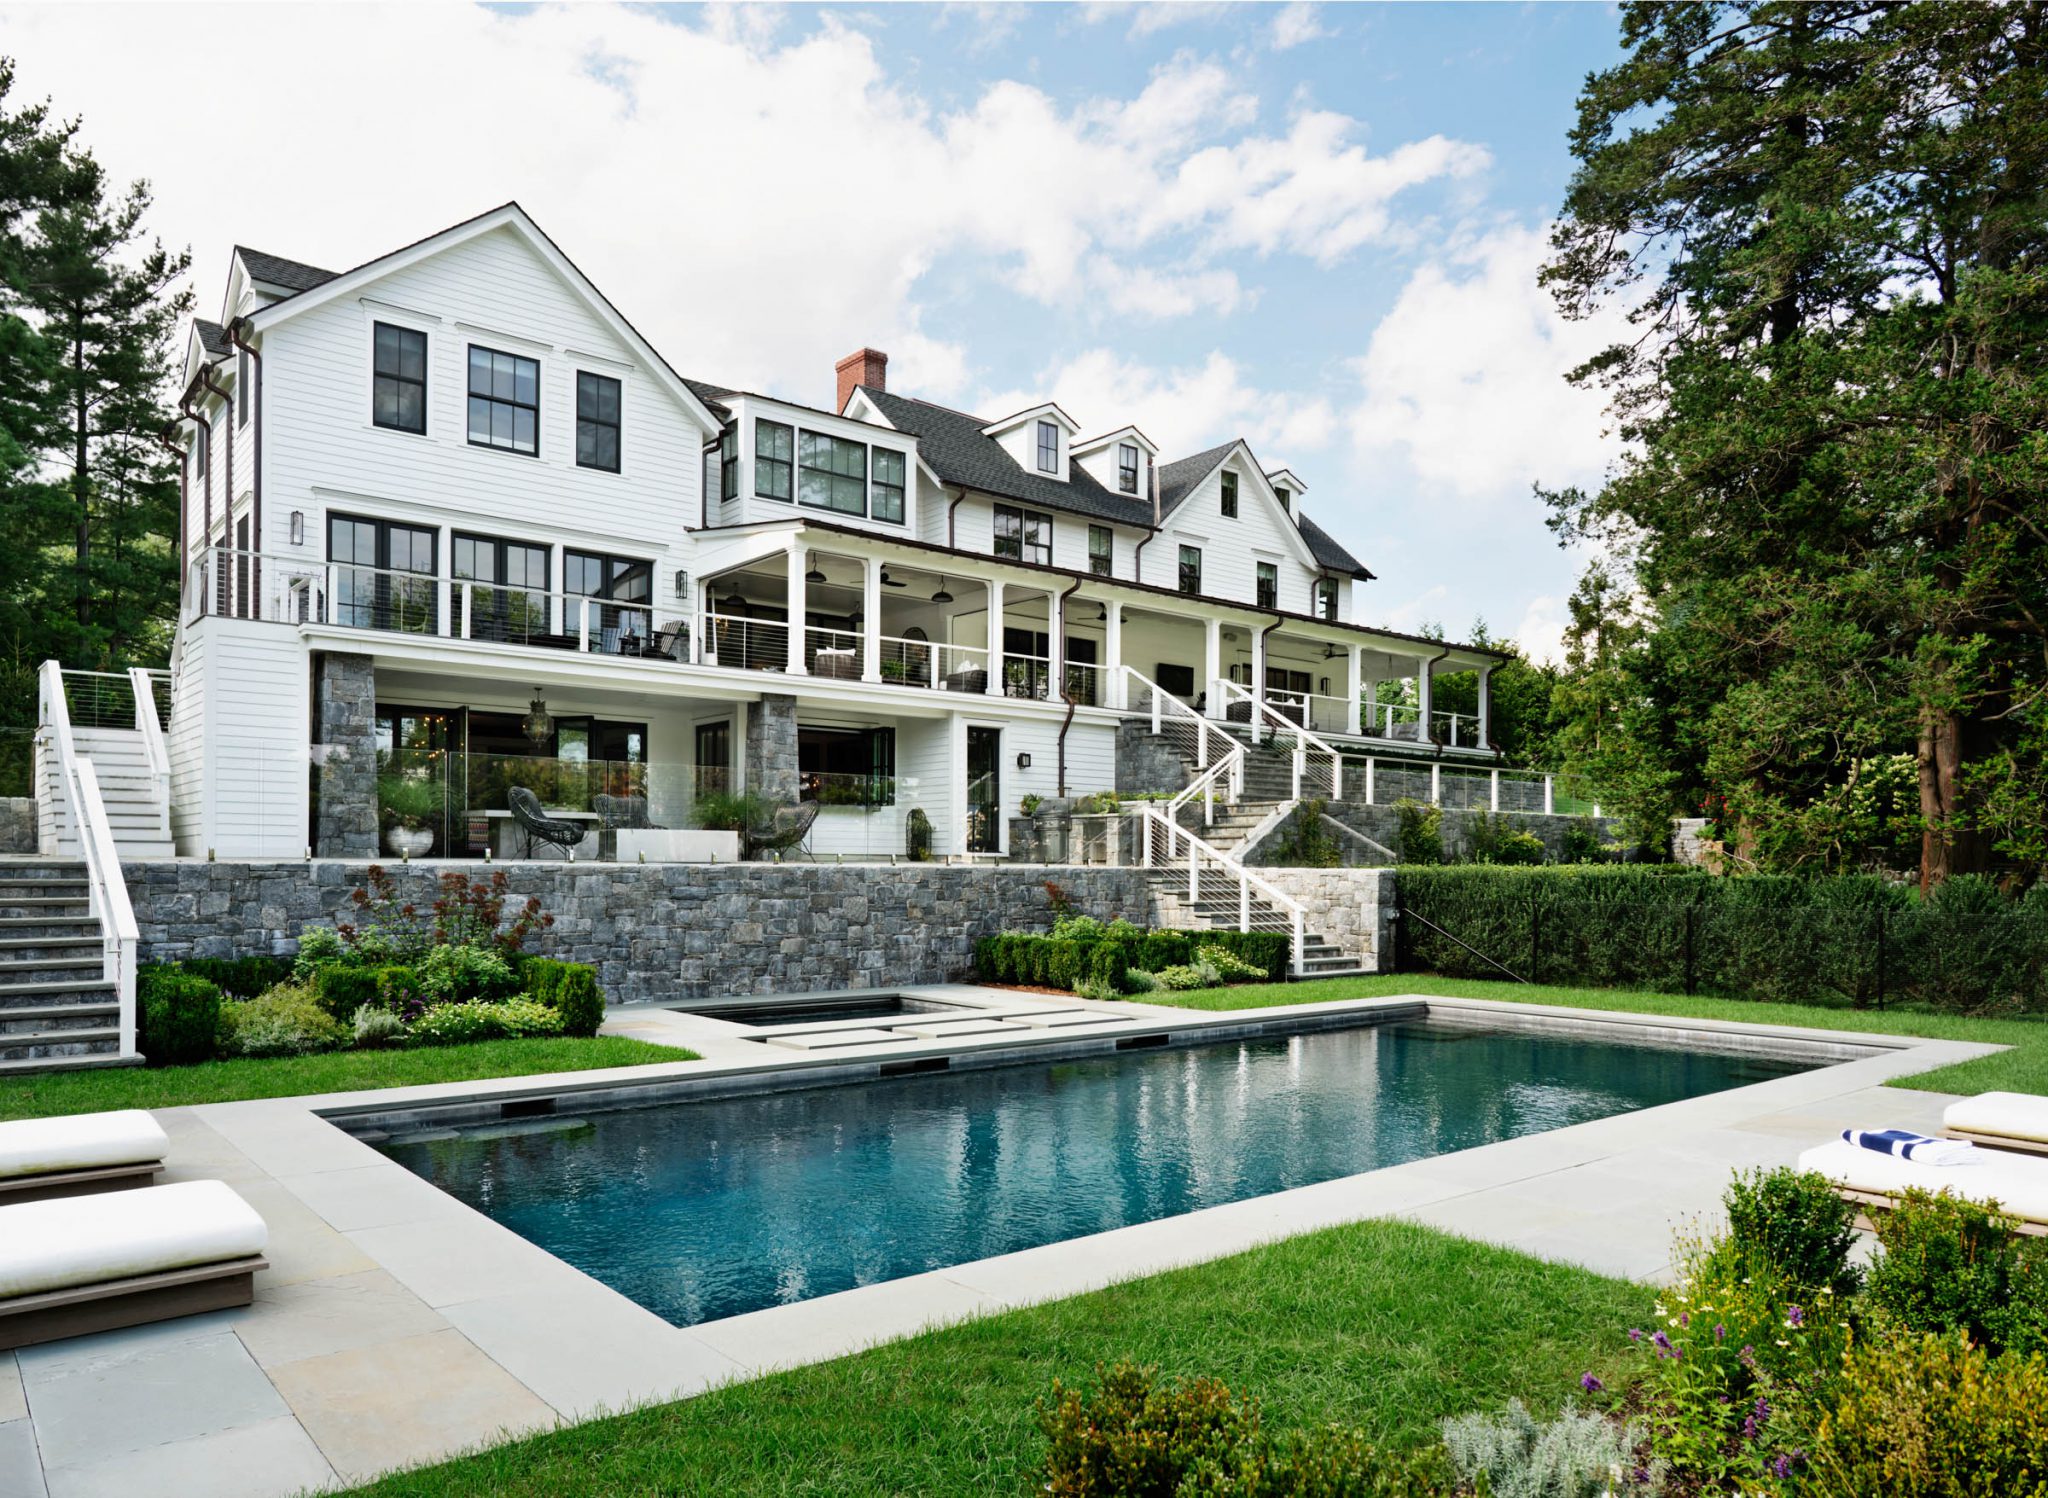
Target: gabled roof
(1178,479)
(960,452)
(275,270)
(1328,551)
(1018,418)
(212,337)
(1120,434)
(713,396)
(515,219)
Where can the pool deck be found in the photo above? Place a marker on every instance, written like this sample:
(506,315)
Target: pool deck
(396,1326)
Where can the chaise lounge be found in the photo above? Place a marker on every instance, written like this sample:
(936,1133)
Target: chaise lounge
(1875,1181)
(2016,1121)
(85,1264)
(46,1157)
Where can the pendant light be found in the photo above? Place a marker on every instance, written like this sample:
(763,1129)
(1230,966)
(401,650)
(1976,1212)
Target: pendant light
(942,596)
(537,725)
(817,573)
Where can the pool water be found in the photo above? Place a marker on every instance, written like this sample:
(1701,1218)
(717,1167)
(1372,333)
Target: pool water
(881,1006)
(699,1210)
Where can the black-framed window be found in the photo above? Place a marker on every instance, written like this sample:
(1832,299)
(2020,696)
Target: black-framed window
(627,586)
(1191,569)
(1048,447)
(847,766)
(513,603)
(504,401)
(1326,597)
(1285,495)
(832,473)
(1230,495)
(1127,467)
(1024,534)
(384,574)
(398,383)
(1101,549)
(597,421)
(888,485)
(729,461)
(243,394)
(774,457)
(1269,586)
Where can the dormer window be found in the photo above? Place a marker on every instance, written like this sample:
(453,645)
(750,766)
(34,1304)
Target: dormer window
(1048,447)
(1326,597)
(1286,497)
(1230,496)
(1127,467)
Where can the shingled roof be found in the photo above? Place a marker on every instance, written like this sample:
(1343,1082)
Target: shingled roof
(275,270)
(1179,478)
(212,337)
(952,442)
(1328,552)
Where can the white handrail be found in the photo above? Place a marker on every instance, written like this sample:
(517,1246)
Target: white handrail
(1204,784)
(154,753)
(1247,881)
(106,894)
(1303,739)
(1228,752)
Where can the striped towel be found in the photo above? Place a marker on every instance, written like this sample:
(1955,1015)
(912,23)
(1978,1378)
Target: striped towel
(1907,1145)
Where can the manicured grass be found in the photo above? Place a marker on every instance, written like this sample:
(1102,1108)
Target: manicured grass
(2024,1068)
(43,1096)
(1386,1325)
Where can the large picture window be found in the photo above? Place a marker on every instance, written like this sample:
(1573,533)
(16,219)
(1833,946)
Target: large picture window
(597,421)
(504,401)
(1191,569)
(847,766)
(383,575)
(774,450)
(398,386)
(832,473)
(889,470)
(1127,467)
(1101,549)
(1025,535)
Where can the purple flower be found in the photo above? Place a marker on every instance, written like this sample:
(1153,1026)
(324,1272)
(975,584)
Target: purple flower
(1763,1408)
(1635,1334)
(1663,1343)
(1685,1318)
(1590,1384)
(1749,1428)
(1794,1316)
(1720,1332)
(1782,1466)
(1642,1475)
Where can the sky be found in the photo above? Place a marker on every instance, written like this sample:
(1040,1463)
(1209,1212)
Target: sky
(1316,227)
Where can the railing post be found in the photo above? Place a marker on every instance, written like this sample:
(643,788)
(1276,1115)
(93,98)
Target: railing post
(1493,792)
(1299,755)
(1549,797)
(1370,764)
(583,623)
(1436,785)
(1155,710)
(468,605)
(1194,873)
(1244,903)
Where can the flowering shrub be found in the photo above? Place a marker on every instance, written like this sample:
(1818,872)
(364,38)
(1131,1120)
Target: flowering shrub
(1948,1265)
(1226,963)
(458,1024)
(286,1021)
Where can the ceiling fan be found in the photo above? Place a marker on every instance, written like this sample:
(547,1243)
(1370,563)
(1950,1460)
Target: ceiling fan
(890,582)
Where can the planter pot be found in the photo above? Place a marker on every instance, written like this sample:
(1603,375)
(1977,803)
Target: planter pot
(409,842)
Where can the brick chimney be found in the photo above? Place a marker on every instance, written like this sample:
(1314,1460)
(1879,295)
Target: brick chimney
(869,367)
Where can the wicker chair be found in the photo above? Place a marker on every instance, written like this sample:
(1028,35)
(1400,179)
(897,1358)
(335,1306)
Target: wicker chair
(536,823)
(782,833)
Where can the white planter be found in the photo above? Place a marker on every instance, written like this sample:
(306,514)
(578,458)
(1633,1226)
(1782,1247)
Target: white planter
(409,842)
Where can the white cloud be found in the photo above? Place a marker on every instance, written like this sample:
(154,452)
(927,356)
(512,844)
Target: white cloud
(1297,23)
(1464,377)
(1148,17)
(1541,632)
(691,167)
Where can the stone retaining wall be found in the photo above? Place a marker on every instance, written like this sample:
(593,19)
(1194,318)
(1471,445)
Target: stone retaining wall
(18,825)
(661,932)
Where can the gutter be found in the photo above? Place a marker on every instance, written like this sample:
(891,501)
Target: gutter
(1068,721)
(255,393)
(202,437)
(951,535)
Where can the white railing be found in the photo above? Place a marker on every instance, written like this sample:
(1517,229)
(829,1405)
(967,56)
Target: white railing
(1159,848)
(1456,730)
(1081,682)
(1316,762)
(837,654)
(746,644)
(1379,782)
(1213,747)
(1393,720)
(155,756)
(106,893)
(1027,676)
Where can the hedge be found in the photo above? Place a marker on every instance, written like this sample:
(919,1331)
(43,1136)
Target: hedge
(240,977)
(1062,962)
(179,1014)
(1854,940)
(569,988)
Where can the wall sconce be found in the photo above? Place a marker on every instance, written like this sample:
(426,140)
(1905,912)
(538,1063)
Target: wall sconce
(683,584)
(1023,761)
(298,527)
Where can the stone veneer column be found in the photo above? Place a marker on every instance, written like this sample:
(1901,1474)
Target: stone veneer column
(771,748)
(345,689)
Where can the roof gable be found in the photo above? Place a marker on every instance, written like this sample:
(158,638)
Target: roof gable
(1121,434)
(1046,409)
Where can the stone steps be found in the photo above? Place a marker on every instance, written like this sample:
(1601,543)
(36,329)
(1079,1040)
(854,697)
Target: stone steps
(57,1009)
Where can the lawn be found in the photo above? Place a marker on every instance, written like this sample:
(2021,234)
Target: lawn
(1386,1325)
(2022,1069)
(42,1096)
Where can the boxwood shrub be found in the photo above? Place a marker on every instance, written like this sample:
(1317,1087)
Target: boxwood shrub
(569,988)
(1062,962)
(342,989)
(240,977)
(179,1012)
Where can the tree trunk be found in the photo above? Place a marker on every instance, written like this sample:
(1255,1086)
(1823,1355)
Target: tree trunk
(1947,846)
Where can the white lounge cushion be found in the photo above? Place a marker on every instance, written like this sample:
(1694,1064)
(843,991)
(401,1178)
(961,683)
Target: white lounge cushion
(87,1240)
(2003,1115)
(80,1141)
(2019,1185)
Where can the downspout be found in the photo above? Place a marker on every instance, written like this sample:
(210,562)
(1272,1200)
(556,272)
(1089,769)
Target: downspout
(203,440)
(227,516)
(1259,686)
(255,393)
(1068,721)
(951,543)
(1429,729)
(1138,551)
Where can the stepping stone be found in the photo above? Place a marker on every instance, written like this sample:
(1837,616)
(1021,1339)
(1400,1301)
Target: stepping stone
(825,1040)
(942,1028)
(1060,1019)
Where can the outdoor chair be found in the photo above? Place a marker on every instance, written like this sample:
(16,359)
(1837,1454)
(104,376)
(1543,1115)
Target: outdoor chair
(536,823)
(670,643)
(782,833)
(614,813)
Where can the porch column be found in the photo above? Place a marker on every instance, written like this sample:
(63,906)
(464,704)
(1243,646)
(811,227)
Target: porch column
(1055,645)
(995,639)
(1486,707)
(796,598)
(871,621)
(1425,680)
(1212,665)
(1258,672)
(1354,670)
(1113,653)
(345,687)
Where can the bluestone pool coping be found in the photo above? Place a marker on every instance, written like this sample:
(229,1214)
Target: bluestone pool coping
(531,1341)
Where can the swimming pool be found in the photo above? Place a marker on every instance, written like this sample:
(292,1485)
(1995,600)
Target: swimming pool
(705,1209)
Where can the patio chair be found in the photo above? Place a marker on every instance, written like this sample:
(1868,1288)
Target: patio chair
(43,1157)
(614,813)
(536,823)
(670,643)
(782,833)
(2012,1121)
(1874,1182)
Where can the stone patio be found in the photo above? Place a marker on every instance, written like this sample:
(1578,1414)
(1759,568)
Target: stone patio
(396,1326)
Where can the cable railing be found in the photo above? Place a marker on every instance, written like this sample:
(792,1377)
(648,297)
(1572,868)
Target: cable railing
(1027,676)
(1379,782)
(106,892)
(1081,683)
(1162,843)
(744,644)
(1316,762)
(836,654)
(1204,742)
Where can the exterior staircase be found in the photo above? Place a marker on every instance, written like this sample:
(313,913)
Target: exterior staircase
(137,806)
(1216,909)
(58,1009)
